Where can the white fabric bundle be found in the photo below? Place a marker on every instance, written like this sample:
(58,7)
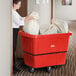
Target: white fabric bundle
(32,26)
(50,30)
(61,25)
(57,26)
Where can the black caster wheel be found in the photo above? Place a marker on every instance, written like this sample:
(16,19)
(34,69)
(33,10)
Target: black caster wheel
(31,70)
(55,67)
(48,69)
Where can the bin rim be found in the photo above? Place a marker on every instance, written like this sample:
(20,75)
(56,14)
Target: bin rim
(24,34)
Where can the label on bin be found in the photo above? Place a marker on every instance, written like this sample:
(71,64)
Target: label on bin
(52,45)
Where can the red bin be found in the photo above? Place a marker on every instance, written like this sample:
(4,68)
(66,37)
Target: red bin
(44,50)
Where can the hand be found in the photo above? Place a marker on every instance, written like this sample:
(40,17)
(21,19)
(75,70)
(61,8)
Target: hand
(27,18)
(21,28)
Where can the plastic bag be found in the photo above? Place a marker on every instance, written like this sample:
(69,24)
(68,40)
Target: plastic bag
(32,26)
(50,30)
(62,26)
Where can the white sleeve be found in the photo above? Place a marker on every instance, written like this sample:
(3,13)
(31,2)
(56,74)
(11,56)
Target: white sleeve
(21,21)
(18,19)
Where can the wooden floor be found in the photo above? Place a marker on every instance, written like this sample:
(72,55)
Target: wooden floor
(69,69)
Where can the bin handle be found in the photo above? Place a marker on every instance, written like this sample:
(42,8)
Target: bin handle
(70,33)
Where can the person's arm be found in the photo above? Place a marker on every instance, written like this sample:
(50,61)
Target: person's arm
(19,22)
(17,19)
(21,28)
(27,18)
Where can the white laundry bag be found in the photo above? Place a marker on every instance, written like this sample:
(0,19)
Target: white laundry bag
(62,26)
(32,26)
(57,26)
(52,29)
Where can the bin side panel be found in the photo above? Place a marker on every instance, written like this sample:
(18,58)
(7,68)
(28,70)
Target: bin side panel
(61,58)
(29,44)
(53,43)
(44,60)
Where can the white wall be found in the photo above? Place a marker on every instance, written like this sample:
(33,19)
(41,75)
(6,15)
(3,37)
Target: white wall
(65,12)
(44,11)
(53,8)
(5,37)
